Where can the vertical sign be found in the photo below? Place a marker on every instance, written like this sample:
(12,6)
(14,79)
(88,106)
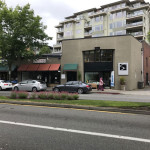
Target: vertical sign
(112,79)
(122,68)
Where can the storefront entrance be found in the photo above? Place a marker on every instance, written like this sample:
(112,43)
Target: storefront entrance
(71,76)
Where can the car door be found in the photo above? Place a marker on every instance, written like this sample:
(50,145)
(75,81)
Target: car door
(68,86)
(22,85)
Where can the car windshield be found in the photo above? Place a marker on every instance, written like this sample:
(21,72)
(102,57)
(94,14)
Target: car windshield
(42,82)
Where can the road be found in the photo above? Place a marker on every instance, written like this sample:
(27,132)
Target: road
(44,128)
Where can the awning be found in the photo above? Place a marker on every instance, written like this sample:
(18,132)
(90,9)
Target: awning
(44,67)
(4,68)
(54,67)
(33,67)
(23,67)
(70,67)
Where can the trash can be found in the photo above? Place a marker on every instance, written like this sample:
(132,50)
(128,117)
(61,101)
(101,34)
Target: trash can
(140,85)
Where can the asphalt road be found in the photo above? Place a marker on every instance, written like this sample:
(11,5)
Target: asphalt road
(43,128)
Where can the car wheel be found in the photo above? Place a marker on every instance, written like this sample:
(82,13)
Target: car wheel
(34,89)
(0,88)
(56,89)
(80,91)
(16,88)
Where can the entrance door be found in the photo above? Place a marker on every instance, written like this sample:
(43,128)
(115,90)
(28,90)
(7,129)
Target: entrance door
(71,76)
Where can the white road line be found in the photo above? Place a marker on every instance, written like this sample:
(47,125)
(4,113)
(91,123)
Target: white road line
(77,131)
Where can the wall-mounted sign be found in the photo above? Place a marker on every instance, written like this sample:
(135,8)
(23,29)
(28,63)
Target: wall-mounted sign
(122,68)
(112,79)
(39,61)
(63,76)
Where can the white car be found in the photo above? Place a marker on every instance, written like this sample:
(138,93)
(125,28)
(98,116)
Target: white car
(5,85)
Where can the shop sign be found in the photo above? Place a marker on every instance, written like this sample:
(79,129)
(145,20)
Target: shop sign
(122,68)
(63,76)
(112,78)
(39,61)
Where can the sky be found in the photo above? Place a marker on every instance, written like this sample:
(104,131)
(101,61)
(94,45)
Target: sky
(55,11)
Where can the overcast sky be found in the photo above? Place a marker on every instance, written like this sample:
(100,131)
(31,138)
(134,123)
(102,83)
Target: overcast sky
(54,11)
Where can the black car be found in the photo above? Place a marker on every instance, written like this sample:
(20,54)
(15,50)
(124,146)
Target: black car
(73,86)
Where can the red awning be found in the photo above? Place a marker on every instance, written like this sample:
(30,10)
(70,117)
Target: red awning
(44,67)
(33,67)
(54,67)
(23,67)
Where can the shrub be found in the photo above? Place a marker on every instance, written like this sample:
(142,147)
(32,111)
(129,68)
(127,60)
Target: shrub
(56,96)
(63,96)
(50,96)
(33,96)
(75,96)
(23,95)
(42,95)
(70,97)
(13,95)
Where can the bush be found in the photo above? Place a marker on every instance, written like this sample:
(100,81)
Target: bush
(63,96)
(56,96)
(75,96)
(50,96)
(70,97)
(13,95)
(22,95)
(33,96)
(42,95)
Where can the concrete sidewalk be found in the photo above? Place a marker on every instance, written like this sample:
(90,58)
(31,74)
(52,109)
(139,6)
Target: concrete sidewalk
(145,91)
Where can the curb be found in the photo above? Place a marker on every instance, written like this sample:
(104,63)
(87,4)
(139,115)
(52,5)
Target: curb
(108,109)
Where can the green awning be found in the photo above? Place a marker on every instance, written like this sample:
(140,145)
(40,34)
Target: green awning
(4,68)
(70,67)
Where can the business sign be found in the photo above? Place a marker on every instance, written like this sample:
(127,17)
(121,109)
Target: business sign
(40,61)
(63,76)
(112,79)
(122,68)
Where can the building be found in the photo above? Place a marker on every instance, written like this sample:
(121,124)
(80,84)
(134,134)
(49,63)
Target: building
(95,58)
(120,18)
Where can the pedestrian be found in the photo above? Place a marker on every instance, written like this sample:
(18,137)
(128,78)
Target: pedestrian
(101,84)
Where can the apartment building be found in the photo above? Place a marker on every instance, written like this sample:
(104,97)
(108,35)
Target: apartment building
(119,18)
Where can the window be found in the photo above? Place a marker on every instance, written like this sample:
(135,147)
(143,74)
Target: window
(78,31)
(67,33)
(91,56)
(97,19)
(106,55)
(86,56)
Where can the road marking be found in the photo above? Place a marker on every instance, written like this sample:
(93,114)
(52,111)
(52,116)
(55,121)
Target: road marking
(103,111)
(77,131)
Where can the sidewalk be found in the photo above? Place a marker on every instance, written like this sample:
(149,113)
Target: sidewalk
(145,91)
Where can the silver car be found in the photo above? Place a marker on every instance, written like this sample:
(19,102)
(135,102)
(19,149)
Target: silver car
(30,85)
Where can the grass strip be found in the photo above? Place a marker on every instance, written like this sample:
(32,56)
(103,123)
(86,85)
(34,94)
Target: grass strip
(95,103)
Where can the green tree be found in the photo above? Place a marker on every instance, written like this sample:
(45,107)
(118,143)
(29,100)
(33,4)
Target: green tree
(20,33)
(148,36)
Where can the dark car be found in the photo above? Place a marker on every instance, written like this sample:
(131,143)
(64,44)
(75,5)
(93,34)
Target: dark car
(73,86)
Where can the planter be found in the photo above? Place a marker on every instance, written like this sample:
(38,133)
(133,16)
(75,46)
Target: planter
(123,87)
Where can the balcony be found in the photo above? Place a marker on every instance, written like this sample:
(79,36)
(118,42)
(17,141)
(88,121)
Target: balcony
(136,34)
(88,34)
(61,30)
(57,50)
(135,15)
(57,45)
(142,6)
(88,25)
(135,25)
(99,13)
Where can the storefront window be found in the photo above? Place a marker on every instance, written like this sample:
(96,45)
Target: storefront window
(91,77)
(86,56)
(91,56)
(106,55)
(97,55)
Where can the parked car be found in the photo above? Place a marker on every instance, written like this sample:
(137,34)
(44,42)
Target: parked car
(30,85)
(73,86)
(5,85)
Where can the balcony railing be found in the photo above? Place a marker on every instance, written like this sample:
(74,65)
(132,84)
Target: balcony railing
(135,24)
(133,15)
(136,33)
(88,33)
(57,45)
(87,25)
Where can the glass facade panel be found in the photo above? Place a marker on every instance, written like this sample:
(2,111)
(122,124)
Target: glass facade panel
(91,56)
(86,56)
(106,56)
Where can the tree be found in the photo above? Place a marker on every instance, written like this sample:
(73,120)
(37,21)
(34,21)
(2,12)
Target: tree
(20,32)
(148,36)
